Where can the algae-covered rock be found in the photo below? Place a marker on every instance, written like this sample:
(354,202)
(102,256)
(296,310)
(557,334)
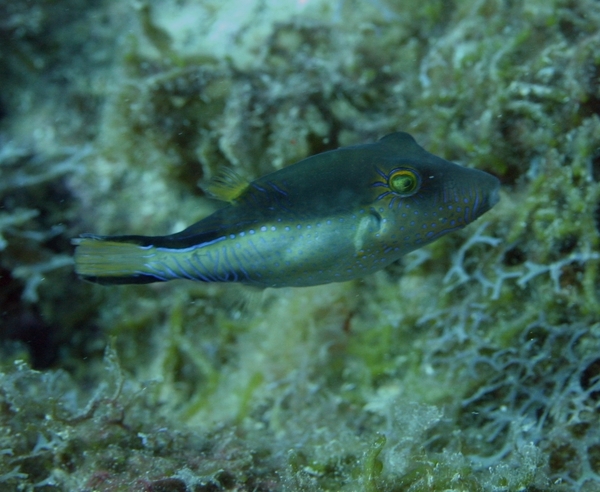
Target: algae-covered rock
(472,364)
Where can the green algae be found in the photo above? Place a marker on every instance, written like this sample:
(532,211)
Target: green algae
(470,366)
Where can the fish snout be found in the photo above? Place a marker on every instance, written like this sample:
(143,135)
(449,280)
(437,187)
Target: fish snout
(494,194)
(487,194)
(491,189)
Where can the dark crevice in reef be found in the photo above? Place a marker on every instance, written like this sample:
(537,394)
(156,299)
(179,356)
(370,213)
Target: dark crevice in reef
(514,256)
(24,323)
(590,107)
(597,217)
(53,321)
(596,165)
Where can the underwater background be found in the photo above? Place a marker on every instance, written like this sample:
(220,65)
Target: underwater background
(471,364)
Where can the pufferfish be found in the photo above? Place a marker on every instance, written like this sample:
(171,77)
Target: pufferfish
(331,217)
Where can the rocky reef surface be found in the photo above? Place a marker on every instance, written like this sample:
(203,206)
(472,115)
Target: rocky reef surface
(472,364)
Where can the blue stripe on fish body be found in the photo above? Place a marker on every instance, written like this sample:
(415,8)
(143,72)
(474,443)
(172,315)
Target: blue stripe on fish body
(329,218)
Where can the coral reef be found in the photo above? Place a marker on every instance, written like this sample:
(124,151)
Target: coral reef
(471,365)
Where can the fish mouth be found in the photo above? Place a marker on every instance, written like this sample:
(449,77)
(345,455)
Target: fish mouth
(491,196)
(494,196)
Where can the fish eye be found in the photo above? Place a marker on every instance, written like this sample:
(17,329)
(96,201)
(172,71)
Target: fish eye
(404,182)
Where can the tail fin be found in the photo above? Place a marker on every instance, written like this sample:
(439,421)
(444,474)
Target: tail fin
(114,259)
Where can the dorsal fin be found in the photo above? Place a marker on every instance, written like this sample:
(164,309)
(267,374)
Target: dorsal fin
(227,185)
(399,139)
(403,144)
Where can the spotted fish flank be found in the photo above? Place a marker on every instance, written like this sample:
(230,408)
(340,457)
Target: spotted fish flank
(331,217)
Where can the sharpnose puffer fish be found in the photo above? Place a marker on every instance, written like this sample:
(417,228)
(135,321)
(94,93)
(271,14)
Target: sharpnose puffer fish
(331,217)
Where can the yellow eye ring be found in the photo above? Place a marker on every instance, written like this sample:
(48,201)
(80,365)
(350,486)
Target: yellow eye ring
(404,182)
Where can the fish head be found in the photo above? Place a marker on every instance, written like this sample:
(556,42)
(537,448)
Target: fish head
(421,197)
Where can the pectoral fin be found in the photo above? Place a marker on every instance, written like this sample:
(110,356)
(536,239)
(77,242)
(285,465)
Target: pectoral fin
(367,228)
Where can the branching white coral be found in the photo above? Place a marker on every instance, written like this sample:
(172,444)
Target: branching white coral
(34,274)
